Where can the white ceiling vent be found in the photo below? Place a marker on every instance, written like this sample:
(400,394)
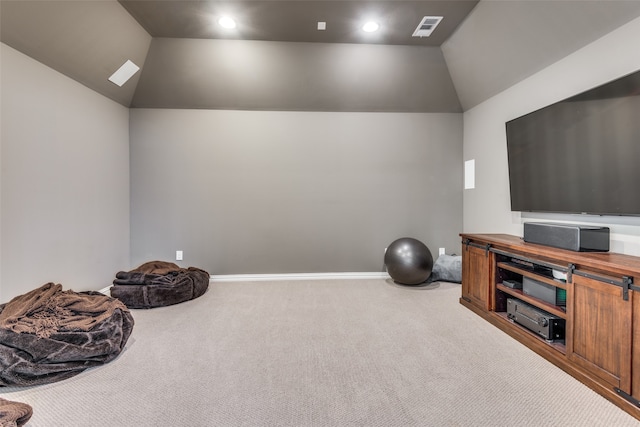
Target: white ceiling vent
(426,26)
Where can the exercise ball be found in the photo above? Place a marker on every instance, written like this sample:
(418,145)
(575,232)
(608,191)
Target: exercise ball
(408,261)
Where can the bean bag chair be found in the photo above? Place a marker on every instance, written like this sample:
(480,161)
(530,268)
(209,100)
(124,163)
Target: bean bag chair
(14,413)
(447,268)
(49,335)
(158,284)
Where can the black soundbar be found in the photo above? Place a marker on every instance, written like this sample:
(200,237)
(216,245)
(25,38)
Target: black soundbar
(580,238)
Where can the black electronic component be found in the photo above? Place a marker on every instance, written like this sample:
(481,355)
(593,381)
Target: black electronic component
(544,324)
(513,284)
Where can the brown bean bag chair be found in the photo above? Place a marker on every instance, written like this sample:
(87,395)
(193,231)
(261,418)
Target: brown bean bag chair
(48,334)
(158,284)
(14,413)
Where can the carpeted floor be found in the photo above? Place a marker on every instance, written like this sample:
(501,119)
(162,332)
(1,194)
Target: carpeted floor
(320,353)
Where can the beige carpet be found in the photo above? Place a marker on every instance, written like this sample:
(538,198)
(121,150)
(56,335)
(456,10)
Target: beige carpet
(320,353)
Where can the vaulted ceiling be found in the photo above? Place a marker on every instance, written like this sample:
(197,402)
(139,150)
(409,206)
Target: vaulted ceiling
(277,59)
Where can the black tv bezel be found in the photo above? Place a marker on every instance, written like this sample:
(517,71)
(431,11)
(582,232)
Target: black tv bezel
(615,87)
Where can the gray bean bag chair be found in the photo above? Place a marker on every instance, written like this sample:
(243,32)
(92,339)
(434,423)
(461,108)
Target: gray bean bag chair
(158,284)
(49,335)
(447,268)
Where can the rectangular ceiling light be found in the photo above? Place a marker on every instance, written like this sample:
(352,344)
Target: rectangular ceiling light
(426,26)
(124,73)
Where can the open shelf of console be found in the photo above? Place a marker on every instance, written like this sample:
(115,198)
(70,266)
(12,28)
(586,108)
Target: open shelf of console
(523,272)
(556,310)
(558,346)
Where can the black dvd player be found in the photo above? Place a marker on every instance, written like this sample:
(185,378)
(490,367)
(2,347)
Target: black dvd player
(546,325)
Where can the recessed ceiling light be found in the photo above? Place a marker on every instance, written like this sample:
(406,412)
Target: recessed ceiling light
(370,27)
(227,22)
(124,73)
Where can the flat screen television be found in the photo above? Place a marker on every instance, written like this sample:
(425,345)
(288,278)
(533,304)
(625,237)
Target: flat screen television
(579,155)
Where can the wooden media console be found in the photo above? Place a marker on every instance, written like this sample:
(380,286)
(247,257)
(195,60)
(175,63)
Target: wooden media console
(599,307)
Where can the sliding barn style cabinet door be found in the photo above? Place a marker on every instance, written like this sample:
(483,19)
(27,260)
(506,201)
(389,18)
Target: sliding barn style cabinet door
(599,335)
(476,275)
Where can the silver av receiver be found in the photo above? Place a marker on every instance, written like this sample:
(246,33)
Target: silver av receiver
(548,326)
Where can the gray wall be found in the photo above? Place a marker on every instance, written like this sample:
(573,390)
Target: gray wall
(65,181)
(286,192)
(487,207)
(285,76)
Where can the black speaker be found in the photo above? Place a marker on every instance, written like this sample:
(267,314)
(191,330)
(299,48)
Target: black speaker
(580,238)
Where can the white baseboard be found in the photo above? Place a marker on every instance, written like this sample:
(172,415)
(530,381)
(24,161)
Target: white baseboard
(296,276)
(105,290)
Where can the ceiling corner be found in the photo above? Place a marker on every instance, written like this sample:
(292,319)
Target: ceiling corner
(84,40)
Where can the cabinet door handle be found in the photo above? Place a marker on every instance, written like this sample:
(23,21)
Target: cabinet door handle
(626,284)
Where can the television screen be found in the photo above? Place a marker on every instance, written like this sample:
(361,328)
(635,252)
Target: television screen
(580,155)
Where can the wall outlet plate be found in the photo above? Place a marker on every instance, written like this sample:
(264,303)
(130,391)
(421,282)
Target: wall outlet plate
(178,255)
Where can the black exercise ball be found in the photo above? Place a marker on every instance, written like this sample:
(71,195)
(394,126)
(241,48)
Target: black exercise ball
(408,261)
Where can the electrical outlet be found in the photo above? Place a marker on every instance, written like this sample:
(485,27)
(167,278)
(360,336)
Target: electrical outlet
(441,251)
(178,255)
